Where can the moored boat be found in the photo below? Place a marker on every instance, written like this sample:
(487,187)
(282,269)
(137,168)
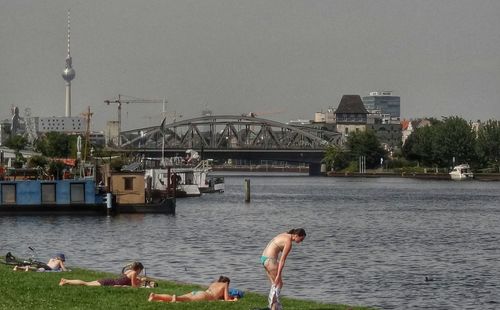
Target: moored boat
(461,172)
(189,179)
(124,193)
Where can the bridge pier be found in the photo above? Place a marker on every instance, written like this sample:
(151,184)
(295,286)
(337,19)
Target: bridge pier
(314,169)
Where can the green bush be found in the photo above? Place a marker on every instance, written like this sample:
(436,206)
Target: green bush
(37,161)
(399,163)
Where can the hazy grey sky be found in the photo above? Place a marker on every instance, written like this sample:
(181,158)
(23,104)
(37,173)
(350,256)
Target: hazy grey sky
(298,57)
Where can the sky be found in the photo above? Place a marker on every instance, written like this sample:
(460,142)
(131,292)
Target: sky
(281,59)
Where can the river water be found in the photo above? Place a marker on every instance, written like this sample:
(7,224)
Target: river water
(369,242)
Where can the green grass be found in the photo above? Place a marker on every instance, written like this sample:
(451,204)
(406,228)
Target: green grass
(40,290)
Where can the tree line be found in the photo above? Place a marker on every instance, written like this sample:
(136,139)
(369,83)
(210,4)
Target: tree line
(443,143)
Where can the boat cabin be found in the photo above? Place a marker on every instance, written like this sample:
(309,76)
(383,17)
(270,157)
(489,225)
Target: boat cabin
(128,187)
(47,192)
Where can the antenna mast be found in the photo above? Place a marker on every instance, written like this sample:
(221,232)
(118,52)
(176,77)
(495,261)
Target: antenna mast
(68,73)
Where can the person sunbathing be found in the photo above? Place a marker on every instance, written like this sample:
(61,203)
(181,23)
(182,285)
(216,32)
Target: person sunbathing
(218,290)
(55,264)
(130,277)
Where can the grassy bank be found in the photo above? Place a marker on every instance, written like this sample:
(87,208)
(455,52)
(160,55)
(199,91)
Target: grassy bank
(40,290)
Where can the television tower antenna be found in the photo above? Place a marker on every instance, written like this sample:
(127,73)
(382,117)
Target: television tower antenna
(68,73)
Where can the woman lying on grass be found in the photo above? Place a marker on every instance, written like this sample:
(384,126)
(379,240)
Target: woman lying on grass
(217,290)
(129,278)
(54,264)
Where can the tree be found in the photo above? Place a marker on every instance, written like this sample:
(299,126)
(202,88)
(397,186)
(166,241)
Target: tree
(56,169)
(56,144)
(37,161)
(419,145)
(117,164)
(16,143)
(365,143)
(454,139)
(488,143)
(336,158)
(439,143)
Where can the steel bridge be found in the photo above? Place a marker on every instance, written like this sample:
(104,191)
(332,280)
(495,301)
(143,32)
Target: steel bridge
(232,136)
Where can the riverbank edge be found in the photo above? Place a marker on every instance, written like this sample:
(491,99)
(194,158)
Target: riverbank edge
(369,174)
(426,176)
(40,290)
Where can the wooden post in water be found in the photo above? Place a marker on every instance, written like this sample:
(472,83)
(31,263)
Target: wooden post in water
(109,203)
(247,190)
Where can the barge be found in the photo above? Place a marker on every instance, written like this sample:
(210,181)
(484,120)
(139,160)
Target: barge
(122,193)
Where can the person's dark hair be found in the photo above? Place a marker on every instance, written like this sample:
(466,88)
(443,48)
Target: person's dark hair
(224,279)
(297,231)
(137,266)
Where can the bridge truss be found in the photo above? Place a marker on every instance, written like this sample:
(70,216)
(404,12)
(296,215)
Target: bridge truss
(229,132)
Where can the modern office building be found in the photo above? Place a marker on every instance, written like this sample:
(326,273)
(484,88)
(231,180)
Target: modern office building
(383,102)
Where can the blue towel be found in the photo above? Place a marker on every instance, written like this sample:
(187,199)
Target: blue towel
(234,292)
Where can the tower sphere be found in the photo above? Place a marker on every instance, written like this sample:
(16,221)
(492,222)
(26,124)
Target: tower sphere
(68,74)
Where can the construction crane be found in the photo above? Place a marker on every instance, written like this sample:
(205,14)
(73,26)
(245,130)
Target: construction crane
(256,114)
(121,99)
(87,115)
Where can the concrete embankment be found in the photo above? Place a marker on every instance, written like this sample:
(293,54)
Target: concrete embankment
(262,168)
(429,176)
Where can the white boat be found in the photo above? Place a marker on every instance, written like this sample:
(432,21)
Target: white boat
(184,177)
(191,180)
(213,184)
(461,172)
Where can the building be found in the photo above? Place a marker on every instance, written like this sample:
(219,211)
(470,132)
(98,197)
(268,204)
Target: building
(384,102)
(4,131)
(409,126)
(351,115)
(387,132)
(298,122)
(327,117)
(62,124)
(112,133)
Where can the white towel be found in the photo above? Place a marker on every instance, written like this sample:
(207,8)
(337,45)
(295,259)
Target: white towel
(274,298)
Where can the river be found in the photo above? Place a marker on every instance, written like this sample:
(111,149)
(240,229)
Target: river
(370,241)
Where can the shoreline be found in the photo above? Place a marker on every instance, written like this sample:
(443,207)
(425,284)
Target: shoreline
(369,174)
(413,175)
(261,168)
(41,290)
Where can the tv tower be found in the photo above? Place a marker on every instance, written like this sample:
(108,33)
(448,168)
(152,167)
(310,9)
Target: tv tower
(68,73)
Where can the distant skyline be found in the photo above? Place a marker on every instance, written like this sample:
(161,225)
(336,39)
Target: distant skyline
(284,59)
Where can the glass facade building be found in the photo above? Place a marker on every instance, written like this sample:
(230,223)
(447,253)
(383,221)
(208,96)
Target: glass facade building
(384,102)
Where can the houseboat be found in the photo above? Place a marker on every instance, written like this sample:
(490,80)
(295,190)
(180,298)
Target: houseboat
(122,193)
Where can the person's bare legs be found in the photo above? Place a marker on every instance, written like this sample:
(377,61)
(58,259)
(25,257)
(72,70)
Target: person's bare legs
(78,282)
(197,296)
(271,267)
(161,297)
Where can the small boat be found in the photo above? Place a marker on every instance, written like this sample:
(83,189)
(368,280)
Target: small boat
(198,174)
(190,179)
(181,180)
(461,172)
(213,184)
